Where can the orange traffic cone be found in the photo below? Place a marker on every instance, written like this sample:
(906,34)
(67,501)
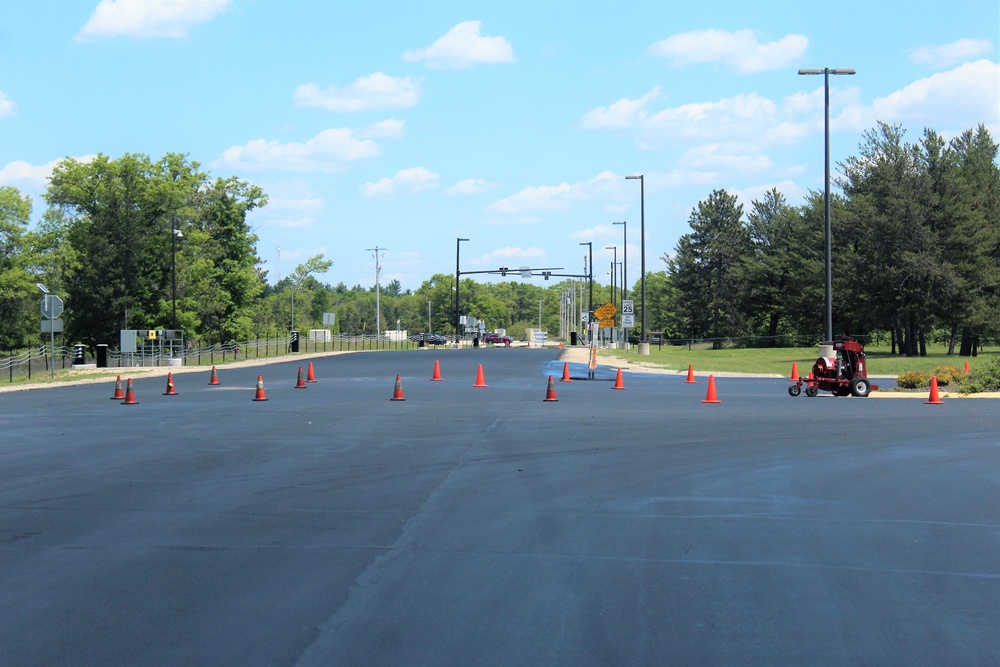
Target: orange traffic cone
(436,377)
(566,377)
(795,372)
(260,395)
(967,367)
(119,392)
(300,383)
(550,393)
(480,380)
(618,381)
(690,379)
(934,398)
(711,397)
(310,374)
(170,386)
(397,393)
(129,394)
(214,380)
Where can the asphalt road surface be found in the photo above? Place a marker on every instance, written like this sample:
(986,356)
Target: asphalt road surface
(484,526)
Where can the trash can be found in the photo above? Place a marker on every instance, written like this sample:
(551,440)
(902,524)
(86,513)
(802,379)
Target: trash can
(79,354)
(475,341)
(420,340)
(102,355)
(295,341)
(572,338)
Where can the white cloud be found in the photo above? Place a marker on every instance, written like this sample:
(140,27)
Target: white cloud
(558,197)
(942,56)
(290,205)
(601,231)
(368,93)
(142,19)
(734,117)
(741,50)
(463,47)
(386,129)
(329,151)
(405,182)
(32,178)
(507,256)
(958,99)
(6,106)
(469,186)
(624,113)
(731,157)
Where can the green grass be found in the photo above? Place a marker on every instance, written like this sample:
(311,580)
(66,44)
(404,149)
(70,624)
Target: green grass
(778,361)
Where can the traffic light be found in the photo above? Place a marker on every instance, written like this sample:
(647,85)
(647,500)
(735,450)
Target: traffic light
(546,274)
(503,270)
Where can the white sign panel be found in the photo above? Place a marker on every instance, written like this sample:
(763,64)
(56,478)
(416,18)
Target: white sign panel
(628,320)
(52,326)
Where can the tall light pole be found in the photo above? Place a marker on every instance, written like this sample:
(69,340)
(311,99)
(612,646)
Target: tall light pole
(644,344)
(458,248)
(173,268)
(827,233)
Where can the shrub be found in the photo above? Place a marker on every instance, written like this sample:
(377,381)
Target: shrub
(948,374)
(914,380)
(983,378)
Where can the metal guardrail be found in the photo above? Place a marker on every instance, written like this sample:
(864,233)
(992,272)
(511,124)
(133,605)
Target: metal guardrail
(25,365)
(34,361)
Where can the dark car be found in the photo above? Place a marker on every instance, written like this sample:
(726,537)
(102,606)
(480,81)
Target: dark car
(429,338)
(497,339)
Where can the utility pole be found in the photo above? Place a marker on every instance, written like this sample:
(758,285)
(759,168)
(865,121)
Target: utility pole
(378,253)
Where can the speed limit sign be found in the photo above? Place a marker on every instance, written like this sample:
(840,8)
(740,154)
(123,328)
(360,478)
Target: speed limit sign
(628,307)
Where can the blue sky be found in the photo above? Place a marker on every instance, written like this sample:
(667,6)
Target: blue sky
(404,125)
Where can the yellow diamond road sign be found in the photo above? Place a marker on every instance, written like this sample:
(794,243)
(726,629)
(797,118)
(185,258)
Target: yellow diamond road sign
(606,312)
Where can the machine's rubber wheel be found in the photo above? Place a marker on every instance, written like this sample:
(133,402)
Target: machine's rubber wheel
(794,390)
(812,390)
(860,387)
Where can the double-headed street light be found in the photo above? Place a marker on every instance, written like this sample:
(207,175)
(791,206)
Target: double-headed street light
(826,72)
(644,345)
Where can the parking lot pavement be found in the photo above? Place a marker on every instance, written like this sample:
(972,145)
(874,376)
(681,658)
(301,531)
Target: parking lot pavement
(464,525)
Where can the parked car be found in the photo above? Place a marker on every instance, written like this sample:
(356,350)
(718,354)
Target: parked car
(497,339)
(429,338)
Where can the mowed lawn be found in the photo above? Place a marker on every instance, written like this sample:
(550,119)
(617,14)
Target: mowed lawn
(778,361)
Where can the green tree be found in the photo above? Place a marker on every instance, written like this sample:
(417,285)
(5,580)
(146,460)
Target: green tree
(707,267)
(17,286)
(783,273)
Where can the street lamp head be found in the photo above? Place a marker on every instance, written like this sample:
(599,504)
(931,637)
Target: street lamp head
(618,223)
(810,71)
(611,247)
(847,71)
(636,176)
(463,239)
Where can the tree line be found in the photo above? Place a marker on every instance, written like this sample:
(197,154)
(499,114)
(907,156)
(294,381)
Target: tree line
(915,251)
(134,243)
